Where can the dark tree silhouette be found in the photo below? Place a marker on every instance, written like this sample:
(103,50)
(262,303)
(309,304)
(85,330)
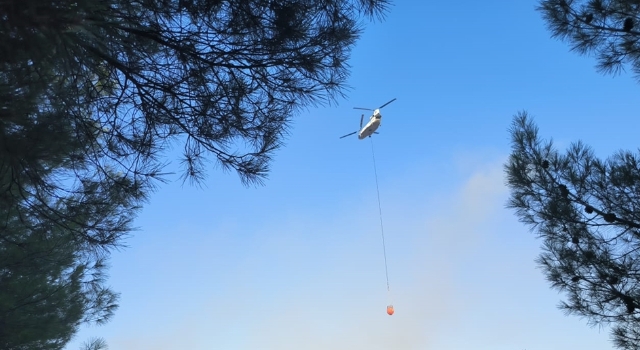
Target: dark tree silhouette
(587,211)
(607,28)
(103,88)
(94,94)
(49,284)
(211,74)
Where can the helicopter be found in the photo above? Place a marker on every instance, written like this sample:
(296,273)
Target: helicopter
(373,124)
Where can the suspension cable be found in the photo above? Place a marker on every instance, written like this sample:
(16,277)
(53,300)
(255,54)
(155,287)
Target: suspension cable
(384,249)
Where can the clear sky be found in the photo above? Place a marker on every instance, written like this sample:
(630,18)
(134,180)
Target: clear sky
(298,263)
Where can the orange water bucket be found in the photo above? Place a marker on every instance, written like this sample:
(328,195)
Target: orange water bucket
(390,310)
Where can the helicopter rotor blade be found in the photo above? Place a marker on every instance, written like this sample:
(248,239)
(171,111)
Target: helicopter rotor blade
(348,134)
(361,119)
(366,109)
(386,103)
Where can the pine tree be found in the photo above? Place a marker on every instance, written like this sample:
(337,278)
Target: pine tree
(586,210)
(92,96)
(59,218)
(607,28)
(50,283)
(222,78)
(94,93)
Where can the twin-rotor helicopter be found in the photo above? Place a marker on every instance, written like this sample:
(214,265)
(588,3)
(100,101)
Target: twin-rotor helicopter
(373,124)
(366,131)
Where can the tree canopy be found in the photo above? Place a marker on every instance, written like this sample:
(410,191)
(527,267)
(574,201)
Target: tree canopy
(222,77)
(49,283)
(586,210)
(94,94)
(609,29)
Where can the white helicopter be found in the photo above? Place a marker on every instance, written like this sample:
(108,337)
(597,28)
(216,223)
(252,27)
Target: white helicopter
(372,125)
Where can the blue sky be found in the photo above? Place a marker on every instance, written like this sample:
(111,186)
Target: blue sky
(298,264)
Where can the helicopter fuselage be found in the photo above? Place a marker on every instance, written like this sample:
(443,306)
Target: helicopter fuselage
(371,126)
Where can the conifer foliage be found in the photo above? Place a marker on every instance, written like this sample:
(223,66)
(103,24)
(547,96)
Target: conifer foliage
(587,213)
(93,97)
(608,29)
